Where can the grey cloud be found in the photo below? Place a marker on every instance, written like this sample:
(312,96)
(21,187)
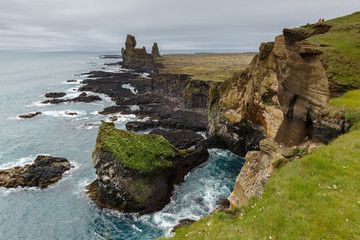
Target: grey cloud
(187,24)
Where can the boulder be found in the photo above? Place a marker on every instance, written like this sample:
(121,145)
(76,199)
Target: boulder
(30,115)
(44,171)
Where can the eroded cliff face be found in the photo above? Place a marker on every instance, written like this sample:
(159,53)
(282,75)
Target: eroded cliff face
(281,97)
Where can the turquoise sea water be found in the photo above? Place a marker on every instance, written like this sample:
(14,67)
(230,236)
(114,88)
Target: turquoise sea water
(63,210)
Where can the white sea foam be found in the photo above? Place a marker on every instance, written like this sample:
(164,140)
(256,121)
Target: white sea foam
(37,104)
(65,113)
(131,88)
(136,228)
(145,75)
(18,162)
(89,125)
(134,107)
(95,113)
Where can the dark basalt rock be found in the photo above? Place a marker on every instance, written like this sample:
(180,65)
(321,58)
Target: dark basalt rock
(44,171)
(55,94)
(83,97)
(181,139)
(30,115)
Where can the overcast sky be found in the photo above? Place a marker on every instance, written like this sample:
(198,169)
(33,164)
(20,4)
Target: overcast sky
(195,25)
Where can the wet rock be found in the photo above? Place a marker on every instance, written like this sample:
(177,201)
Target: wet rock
(71,113)
(83,97)
(30,115)
(183,223)
(44,171)
(181,139)
(55,94)
(71,81)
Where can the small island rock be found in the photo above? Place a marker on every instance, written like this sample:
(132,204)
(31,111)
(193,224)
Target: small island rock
(44,171)
(137,172)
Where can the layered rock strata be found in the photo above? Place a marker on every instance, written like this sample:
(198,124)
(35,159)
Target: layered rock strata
(281,97)
(137,172)
(44,171)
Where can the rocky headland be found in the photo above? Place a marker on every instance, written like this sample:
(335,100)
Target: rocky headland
(278,102)
(294,114)
(44,171)
(137,172)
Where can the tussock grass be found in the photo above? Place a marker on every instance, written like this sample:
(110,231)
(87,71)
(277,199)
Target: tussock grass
(205,66)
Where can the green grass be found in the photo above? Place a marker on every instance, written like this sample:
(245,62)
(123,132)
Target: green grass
(350,104)
(300,201)
(142,152)
(341,55)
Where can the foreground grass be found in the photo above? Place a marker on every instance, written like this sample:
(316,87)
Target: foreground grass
(205,66)
(316,197)
(350,104)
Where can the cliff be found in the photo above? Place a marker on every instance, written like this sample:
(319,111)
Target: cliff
(282,96)
(299,92)
(137,172)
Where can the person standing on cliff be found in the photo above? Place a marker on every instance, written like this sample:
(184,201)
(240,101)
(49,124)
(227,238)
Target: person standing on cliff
(322,20)
(319,19)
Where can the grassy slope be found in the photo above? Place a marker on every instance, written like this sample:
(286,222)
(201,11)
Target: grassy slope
(142,152)
(341,55)
(299,202)
(318,196)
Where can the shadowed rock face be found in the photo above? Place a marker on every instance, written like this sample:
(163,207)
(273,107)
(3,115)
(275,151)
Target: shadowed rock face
(44,171)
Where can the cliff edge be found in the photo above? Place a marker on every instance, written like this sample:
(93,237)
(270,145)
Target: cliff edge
(296,101)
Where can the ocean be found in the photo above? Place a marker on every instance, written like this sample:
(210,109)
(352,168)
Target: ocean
(64,210)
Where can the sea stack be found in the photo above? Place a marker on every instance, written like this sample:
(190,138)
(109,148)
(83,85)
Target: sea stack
(137,172)
(138,58)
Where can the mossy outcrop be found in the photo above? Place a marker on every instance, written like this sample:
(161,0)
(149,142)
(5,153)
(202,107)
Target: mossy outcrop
(137,172)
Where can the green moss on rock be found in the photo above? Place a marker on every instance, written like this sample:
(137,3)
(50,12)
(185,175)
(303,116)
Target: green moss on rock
(141,152)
